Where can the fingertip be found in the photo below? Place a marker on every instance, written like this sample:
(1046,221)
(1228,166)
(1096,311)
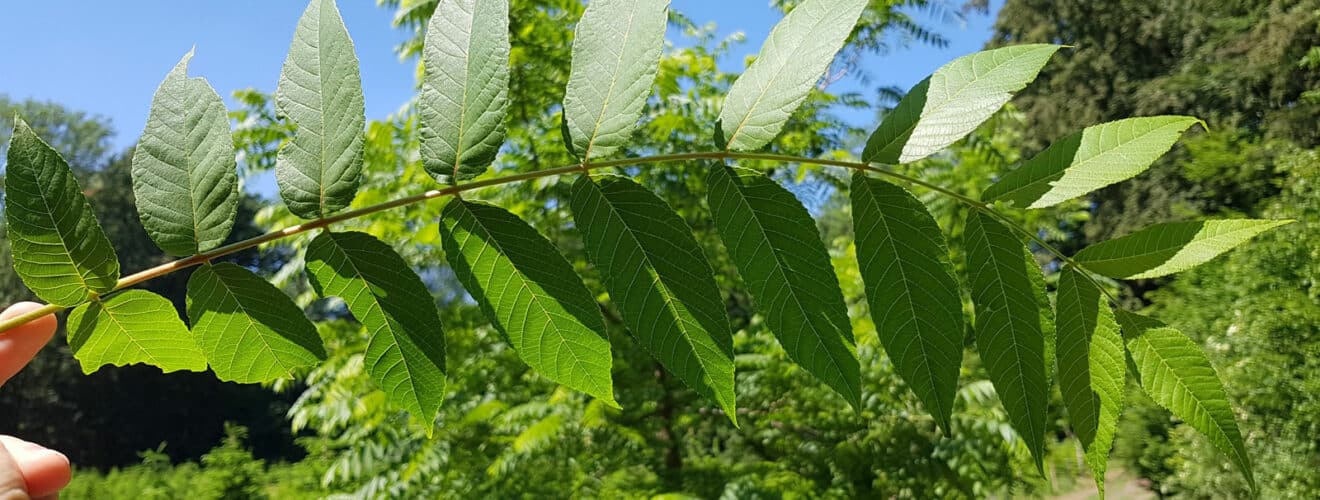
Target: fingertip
(20,344)
(45,471)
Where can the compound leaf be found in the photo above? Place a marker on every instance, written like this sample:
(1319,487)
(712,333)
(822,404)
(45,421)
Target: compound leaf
(1091,367)
(185,176)
(406,345)
(1176,374)
(1089,160)
(58,247)
(662,284)
(1009,335)
(616,52)
(1167,248)
(465,87)
(132,327)
(955,100)
(773,241)
(910,286)
(250,331)
(320,92)
(794,57)
(531,295)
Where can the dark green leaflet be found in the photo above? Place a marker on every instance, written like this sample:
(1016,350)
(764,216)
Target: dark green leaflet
(913,294)
(406,345)
(660,281)
(531,294)
(59,249)
(250,331)
(1091,367)
(774,242)
(1177,375)
(1008,326)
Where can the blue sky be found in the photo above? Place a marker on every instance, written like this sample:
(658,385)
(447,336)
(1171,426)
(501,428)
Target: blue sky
(107,57)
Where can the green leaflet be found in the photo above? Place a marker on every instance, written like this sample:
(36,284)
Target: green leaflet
(465,87)
(886,144)
(320,92)
(1091,367)
(1176,374)
(616,51)
(250,331)
(135,326)
(775,245)
(1089,160)
(794,57)
(406,345)
(59,249)
(1167,248)
(910,286)
(1008,326)
(656,274)
(531,295)
(955,100)
(184,170)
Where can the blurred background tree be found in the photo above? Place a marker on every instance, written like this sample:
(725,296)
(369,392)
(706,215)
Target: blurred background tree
(1251,69)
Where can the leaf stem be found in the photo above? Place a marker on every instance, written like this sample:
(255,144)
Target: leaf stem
(204,257)
(24,318)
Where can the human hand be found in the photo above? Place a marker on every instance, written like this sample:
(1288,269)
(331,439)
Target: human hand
(27,470)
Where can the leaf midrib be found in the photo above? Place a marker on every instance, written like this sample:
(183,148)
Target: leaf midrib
(192,181)
(463,103)
(320,96)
